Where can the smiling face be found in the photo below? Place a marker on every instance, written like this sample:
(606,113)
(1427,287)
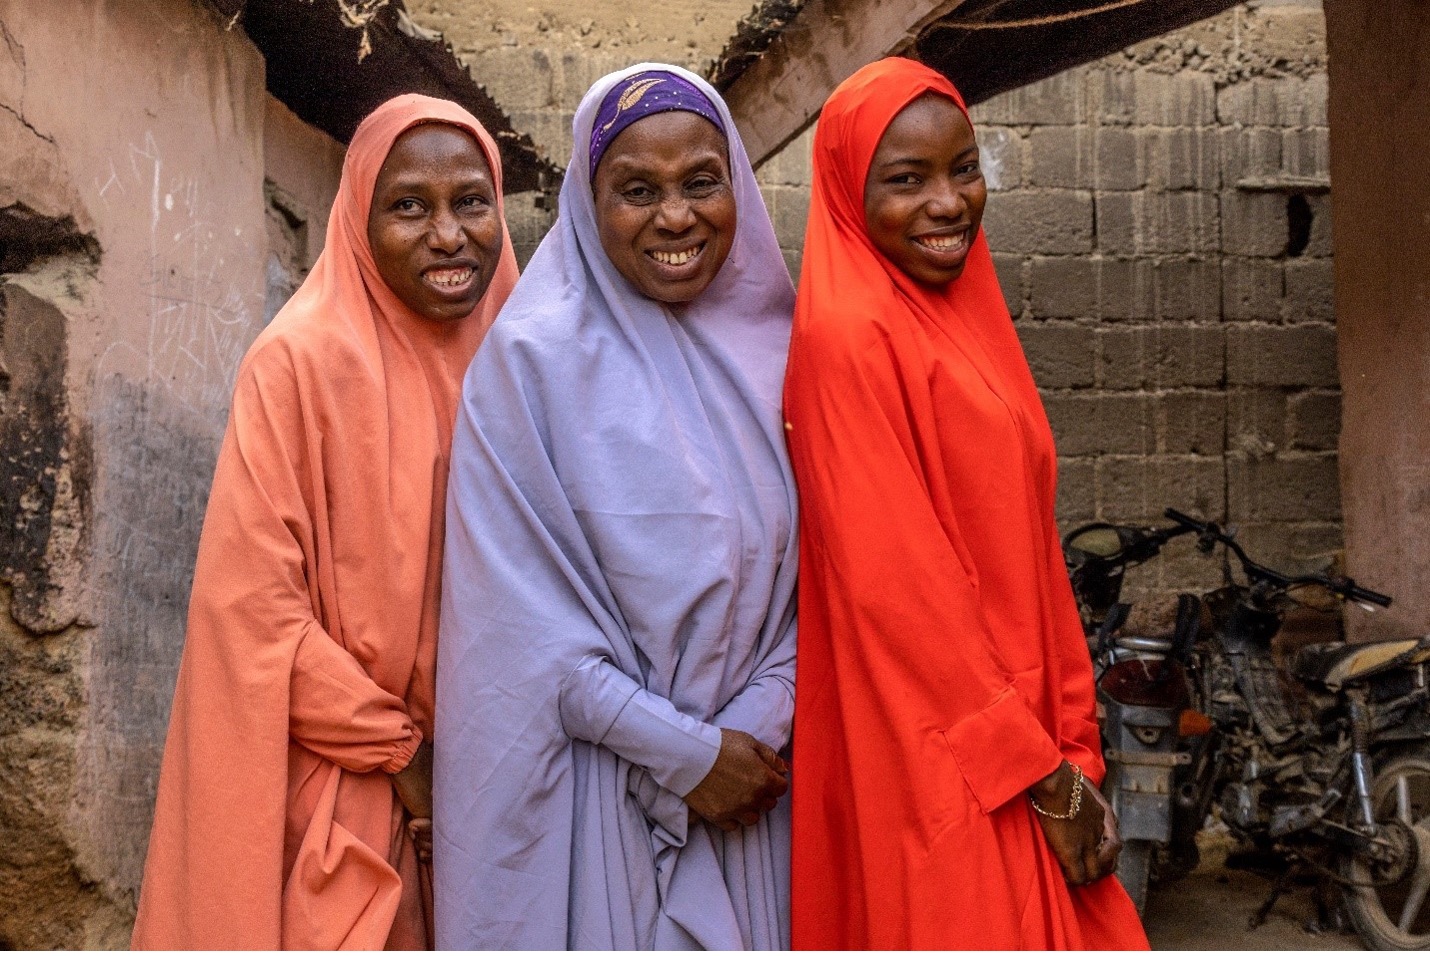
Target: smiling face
(923,200)
(433,224)
(665,207)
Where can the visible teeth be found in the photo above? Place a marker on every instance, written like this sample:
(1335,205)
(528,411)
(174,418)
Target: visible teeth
(449,276)
(942,243)
(676,258)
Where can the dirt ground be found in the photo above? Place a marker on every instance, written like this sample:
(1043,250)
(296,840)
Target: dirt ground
(1209,910)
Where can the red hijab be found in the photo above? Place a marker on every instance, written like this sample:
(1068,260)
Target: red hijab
(942,669)
(307,673)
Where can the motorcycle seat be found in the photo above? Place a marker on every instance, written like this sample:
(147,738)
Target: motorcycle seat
(1337,663)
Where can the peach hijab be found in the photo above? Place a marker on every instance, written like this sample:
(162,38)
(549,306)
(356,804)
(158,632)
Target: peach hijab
(307,673)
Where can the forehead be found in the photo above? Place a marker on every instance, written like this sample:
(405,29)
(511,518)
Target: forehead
(432,149)
(929,126)
(664,139)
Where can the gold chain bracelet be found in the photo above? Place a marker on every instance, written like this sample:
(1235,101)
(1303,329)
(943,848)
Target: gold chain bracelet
(1074,799)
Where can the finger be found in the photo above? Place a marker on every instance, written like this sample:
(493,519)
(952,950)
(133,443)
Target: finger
(1107,852)
(768,755)
(1093,866)
(749,819)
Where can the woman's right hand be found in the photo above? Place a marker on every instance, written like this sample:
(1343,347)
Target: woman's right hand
(1081,844)
(747,780)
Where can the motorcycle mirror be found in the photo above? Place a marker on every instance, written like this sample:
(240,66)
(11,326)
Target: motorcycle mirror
(1100,541)
(1366,606)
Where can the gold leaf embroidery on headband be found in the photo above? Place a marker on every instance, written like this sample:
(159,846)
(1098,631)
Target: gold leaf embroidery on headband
(631,97)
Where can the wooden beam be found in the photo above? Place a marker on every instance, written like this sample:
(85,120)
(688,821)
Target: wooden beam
(778,96)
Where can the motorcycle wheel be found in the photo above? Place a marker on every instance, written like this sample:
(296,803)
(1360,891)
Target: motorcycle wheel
(1395,916)
(1134,869)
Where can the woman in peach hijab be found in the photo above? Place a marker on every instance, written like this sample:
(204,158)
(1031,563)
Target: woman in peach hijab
(298,755)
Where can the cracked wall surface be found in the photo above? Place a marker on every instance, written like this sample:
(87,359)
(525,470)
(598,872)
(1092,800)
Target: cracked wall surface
(141,163)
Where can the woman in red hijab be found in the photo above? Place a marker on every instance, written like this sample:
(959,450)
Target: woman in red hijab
(298,755)
(946,752)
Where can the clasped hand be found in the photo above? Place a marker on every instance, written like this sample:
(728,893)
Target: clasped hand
(747,780)
(1087,845)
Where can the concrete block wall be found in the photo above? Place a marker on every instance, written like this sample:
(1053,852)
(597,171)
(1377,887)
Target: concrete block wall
(1160,222)
(1161,225)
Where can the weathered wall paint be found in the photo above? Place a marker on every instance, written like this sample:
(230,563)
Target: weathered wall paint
(1380,131)
(138,143)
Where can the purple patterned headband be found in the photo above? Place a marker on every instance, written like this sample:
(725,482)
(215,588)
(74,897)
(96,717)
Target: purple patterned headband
(642,95)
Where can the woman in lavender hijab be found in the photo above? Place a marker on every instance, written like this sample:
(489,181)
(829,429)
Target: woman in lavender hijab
(616,663)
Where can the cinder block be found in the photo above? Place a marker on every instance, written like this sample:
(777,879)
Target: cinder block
(1172,99)
(549,129)
(1314,420)
(1251,289)
(1056,101)
(1125,289)
(1119,158)
(1283,488)
(1310,290)
(1320,244)
(1161,356)
(1256,421)
(527,224)
(1248,153)
(578,69)
(1285,356)
(791,165)
(1060,156)
(1011,271)
(518,78)
(1138,489)
(1111,97)
(1077,490)
(1253,224)
(1000,154)
(1136,224)
(1295,548)
(1061,354)
(1306,152)
(1182,158)
(1188,289)
(1116,223)
(1101,424)
(1282,101)
(1191,423)
(1064,287)
(789,212)
(794,259)
(1034,221)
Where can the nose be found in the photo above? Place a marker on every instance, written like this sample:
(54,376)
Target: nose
(674,214)
(946,200)
(444,232)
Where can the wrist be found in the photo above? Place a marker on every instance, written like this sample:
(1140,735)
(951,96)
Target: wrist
(1053,789)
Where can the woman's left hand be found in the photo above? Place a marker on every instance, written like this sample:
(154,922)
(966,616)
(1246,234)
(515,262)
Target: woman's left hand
(1080,843)
(413,783)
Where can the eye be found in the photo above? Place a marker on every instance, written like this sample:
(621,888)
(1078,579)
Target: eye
(638,193)
(474,202)
(904,179)
(407,204)
(969,170)
(703,184)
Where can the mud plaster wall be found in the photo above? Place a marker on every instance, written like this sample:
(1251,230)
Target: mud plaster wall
(1380,111)
(132,142)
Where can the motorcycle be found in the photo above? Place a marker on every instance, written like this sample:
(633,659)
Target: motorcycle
(1324,762)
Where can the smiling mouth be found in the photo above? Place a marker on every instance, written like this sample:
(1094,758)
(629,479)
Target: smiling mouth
(683,257)
(449,278)
(946,244)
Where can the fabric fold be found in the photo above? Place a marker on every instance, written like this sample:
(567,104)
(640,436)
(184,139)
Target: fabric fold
(942,665)
(307,665)
(620,567)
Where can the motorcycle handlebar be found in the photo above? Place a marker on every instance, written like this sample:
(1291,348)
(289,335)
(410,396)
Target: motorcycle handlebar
(1343,587)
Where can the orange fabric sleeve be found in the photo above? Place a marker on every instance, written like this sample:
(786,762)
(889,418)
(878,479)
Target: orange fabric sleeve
(902,591)
(339,713)
(334,708)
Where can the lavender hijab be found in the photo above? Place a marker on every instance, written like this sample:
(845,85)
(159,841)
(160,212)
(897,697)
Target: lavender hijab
(619,584)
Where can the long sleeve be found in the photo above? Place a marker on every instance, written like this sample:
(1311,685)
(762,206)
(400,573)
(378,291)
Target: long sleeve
(340,713)
(334,707)
(602,705)
(764,708)
(892,573)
